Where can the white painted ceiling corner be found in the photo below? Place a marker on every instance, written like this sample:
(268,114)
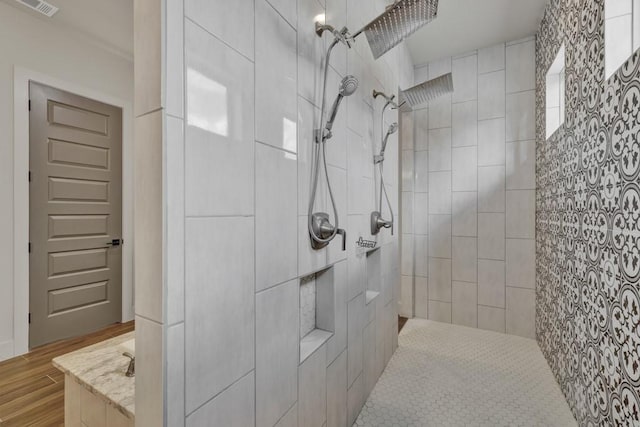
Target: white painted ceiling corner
(466,25)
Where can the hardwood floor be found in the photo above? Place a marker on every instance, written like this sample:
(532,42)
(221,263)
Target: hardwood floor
(32,390)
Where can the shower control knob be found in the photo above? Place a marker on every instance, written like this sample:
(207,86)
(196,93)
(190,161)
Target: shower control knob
(378,223)
(324,231)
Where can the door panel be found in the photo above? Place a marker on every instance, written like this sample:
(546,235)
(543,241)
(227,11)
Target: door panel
(78,190)
(77,297)
(77,261)
(79,118)
(70,153)
(75,161)
(65,226)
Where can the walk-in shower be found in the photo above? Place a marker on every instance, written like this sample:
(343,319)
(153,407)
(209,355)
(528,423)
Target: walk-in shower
(397,22)
(377,220)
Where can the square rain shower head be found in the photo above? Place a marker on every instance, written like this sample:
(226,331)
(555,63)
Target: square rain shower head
(426,91)
(399,21)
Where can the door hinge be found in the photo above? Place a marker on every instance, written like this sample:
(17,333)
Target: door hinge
(29,247)
(29,176)
(29,105)
(29,317)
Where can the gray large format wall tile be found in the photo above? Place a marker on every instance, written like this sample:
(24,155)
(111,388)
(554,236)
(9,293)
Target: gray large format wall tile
(312,385)
(276,352)
(225,26)
(468,169)
(464,124)
(233,407)
(491,95)
(242,92)
(219,305)
(521,67)
(219,135)
(276,218)
(337,392)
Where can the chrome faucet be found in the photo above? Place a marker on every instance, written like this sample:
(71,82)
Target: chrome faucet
(131,370)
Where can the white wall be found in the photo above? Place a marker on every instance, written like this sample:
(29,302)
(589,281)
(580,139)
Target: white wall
(468,191)
(238,144)
(39,46)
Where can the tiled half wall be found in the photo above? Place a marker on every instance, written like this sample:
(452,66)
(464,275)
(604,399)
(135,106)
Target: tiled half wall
(234,91)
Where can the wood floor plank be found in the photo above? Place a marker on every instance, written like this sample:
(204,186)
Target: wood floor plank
(32,390)
(18,389)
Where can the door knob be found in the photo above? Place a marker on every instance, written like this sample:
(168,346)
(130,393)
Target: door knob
(115,242)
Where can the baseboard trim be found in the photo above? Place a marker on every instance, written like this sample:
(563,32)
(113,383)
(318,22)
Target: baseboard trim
(6,350)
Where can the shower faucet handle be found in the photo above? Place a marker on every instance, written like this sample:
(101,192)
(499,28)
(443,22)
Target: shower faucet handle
(343,233)
(378,223)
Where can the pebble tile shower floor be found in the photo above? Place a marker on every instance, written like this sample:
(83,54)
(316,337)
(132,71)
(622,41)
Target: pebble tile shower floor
(447,375)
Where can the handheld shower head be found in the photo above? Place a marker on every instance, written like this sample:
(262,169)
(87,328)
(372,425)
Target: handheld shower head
(392,129)
(348,86)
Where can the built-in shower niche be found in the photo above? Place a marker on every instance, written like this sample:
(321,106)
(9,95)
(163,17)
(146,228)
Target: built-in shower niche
(374,275)
(317,311)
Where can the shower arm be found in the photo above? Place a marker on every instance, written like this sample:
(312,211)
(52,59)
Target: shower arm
(341,36)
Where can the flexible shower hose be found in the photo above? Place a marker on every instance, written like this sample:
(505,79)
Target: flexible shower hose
(383,188)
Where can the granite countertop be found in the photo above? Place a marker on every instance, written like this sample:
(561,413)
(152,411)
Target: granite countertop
(100,368)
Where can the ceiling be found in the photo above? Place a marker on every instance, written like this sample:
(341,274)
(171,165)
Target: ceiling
(108,23)
(466,25)
(461,26)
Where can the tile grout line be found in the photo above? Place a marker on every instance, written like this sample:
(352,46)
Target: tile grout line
(254,294)
(184,213)
(505,185)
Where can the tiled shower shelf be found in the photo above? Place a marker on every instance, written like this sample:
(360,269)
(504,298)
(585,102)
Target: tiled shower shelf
(370,296)
(367,251)
(313,341)
(374,275)
(317,311)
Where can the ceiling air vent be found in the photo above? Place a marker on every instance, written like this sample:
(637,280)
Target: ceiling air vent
(40,6)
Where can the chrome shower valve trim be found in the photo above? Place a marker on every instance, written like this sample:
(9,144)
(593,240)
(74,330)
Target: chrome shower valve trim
(323,228)
(378,223)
